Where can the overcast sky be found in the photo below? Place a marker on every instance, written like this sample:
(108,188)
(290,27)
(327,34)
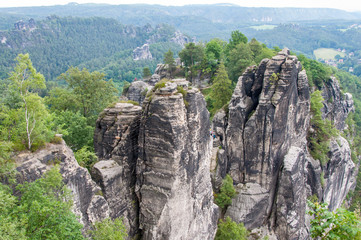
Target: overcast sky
(349,5)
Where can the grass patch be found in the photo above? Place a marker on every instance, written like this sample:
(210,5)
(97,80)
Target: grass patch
(327,53)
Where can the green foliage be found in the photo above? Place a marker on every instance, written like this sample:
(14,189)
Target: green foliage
(86,158)
(240,57)
(227,192)
(146,72)
(190,55)
(42,212)
(236,38)
(109,230)
(32,124)
(181,90)
(341,224)
(317,72)
(169,59)
(230,230)
(221,88)
(322,130)
(160,84)
(76,131)
(7,165)
(91,90)
(47,204)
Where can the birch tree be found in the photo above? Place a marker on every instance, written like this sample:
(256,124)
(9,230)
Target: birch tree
(25,81)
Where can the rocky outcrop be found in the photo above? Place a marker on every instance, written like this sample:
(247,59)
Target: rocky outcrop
(116,144)
(153,80)
(336,105)
(89,204)
(161,155)
(339,173)
(137,91)
(181,39)
(25,26)
(142,53)
(265,149)
(173,181)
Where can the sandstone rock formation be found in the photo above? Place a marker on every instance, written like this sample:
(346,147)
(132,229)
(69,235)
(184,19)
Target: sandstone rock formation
(89,204)
(138,90)
(336,105)
(173,181)
(142,53)
(166,149)
(116,144)
(265,149)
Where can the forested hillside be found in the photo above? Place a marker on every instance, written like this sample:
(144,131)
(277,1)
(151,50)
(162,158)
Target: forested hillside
(55,44)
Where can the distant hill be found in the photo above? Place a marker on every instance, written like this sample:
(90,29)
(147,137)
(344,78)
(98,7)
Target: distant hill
(202,21)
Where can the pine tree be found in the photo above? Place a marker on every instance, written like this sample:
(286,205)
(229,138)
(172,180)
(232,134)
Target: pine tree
(169,59)
(146,72)
(221,88)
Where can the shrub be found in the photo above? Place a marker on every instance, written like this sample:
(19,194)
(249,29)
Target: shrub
(85,157)
(229,230)
(227,192)
(109,230)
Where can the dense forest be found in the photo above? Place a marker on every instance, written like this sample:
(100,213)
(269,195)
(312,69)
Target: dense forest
(100,44)
(58,74)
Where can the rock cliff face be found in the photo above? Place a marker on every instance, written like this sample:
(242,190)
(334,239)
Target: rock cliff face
(165,150)
(89,204)
(173,180)
(265,149)
(116,144)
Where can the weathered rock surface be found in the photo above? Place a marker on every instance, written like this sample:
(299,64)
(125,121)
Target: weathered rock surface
(89,205)
(336,105)
(116,143)
(153,80)
(137,91)
(339,173)
(173,180)
(264,139)
(142,53)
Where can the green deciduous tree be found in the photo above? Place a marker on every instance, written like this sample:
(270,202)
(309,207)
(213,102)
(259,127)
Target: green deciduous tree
(341,224)
(236,38)
(238,60)
(75,129)
(91,90)
(25,82)
(230,230)
(221,88)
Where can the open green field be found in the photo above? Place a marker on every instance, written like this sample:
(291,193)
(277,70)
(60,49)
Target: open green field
(264,27)
(327,53)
